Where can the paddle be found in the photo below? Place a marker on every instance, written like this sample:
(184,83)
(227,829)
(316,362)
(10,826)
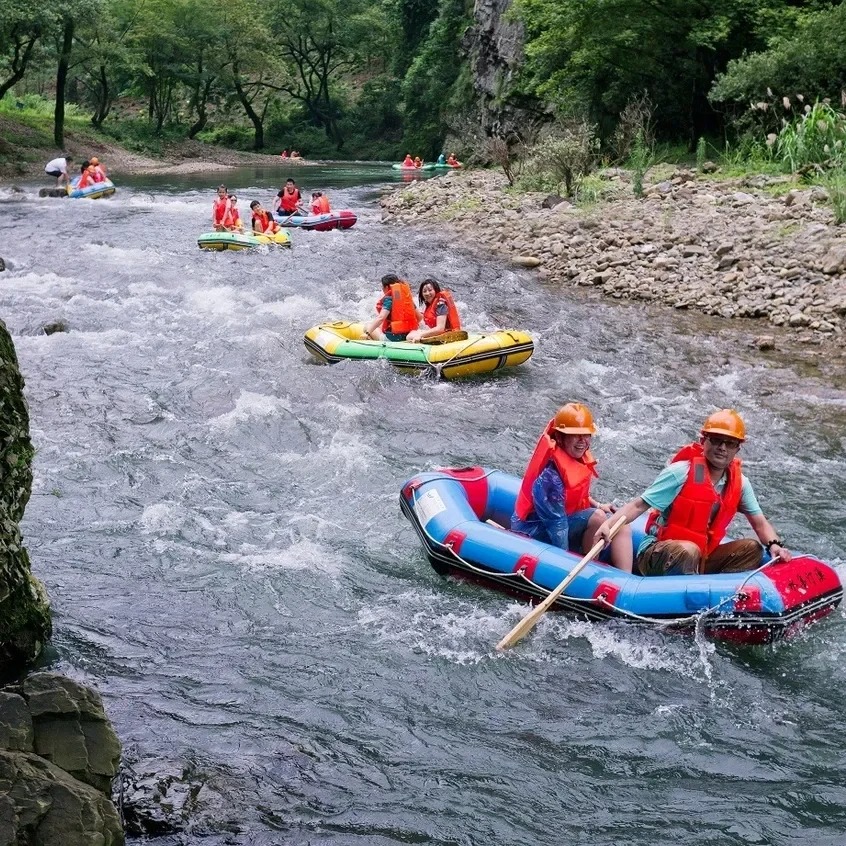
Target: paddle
(531,619)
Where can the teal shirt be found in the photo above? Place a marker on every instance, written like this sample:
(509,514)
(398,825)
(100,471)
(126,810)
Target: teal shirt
(663,491)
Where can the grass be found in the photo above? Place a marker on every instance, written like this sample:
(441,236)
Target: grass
(459,208)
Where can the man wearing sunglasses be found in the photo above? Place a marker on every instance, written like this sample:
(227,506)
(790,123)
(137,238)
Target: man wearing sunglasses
(693,500)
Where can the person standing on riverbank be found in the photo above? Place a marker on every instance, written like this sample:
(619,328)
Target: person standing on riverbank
(554,504)
(58,168)
(693,500)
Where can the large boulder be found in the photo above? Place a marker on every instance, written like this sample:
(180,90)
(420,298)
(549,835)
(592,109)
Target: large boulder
(24,608)
(41,805)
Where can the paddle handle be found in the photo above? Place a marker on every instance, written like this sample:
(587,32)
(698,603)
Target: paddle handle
(531,619)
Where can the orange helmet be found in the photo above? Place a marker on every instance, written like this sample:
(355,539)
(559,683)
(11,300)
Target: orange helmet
(725,422)
(574,419)
(94,160)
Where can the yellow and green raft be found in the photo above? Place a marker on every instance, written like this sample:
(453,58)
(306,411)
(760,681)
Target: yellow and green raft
(241,240)
(467,355)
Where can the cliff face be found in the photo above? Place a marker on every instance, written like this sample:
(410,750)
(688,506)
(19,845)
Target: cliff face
(494,47)
(24,607)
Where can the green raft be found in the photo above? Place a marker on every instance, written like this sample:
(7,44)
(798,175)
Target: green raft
(240,240)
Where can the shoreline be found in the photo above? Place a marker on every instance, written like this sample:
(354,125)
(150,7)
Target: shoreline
(721,248)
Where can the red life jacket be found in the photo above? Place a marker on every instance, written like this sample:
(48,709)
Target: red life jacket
(99,174)
(453,321)
(408,162)
(698,513)
(323,203)
(220,210)
(265,222)
(289,200)
(85,179)
(403,316)
(575,473)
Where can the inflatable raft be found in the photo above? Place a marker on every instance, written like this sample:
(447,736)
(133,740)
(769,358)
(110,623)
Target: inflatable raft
(450,508)
(92,192)
(476,353)
(343,219)
(412,169)
(240,240)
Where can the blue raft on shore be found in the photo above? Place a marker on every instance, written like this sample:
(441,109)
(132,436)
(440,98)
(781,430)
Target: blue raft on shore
(450,509)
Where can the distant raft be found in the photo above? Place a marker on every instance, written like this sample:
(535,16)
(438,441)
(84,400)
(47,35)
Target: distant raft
(343,219)
(240,240)
(95,191)
(413,167)
(468,355)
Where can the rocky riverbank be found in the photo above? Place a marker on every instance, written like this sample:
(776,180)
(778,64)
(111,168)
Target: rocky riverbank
(732,248)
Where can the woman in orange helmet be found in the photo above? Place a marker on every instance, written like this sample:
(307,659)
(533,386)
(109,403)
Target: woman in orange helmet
(554,503)
(694,499)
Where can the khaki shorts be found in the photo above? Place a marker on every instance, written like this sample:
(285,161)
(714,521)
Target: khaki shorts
(670,558)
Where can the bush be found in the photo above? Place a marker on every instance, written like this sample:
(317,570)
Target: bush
(835,184)
(815,139)
(564,158)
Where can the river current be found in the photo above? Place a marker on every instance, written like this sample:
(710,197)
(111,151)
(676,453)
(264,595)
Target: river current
(216,519)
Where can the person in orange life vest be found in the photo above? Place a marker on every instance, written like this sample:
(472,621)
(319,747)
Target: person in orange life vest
(453,161)
(418,162)
(87,177)
(220,209)
(408,161)
(289,199)
(263,222)
(232,219)
(439,312)
(99,172)
(319,203)
(396,315)
(554,503)
(694,499)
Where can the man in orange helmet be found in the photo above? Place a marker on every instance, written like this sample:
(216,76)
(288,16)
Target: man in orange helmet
(554,503)
(693,500)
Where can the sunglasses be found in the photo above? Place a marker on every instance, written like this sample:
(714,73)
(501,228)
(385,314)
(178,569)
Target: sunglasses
(728,443)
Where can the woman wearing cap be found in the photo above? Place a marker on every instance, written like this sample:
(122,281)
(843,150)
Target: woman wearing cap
(554,503)
(98,172)
(694,499)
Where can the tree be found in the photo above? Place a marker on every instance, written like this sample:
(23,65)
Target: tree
(22,24)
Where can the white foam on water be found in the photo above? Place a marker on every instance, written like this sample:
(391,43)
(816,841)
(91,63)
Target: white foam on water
(248,406)
(302,554)
(293,307)
(163,518)
(164,205)
(222,301)
(123,255)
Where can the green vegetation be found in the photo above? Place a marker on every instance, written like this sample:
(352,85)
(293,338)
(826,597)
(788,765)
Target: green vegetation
(600,81)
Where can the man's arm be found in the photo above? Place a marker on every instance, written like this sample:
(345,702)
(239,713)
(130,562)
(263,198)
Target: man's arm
(766,533)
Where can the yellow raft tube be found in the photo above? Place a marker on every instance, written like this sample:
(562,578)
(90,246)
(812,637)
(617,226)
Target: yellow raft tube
(468,355)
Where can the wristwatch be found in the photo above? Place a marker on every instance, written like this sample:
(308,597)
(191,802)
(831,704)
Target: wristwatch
(772,543)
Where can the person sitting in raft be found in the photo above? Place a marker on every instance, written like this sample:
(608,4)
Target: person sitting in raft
(452,161)
(220,209)
(554,503)
(439,312)
(232,220)
(442,159)
(263,222)
(283,154)
(99,172)
(86,178)
(59,169)
(693,500)
(319,203)
(408,161)
(295,154)
(418,162)
(289,199)
(395,312)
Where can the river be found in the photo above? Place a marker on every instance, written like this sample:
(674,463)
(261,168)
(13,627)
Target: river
(216,518)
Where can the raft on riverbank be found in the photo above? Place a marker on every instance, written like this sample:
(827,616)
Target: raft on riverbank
(449,509)
(480,352)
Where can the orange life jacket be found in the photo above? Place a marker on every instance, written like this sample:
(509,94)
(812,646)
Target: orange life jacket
(403,316)
(408,162)
(453,161)
(698,513)
(266,222)
(289,200)
(86,179)
(575,473)
(323,203)
(220,210)
(453,321)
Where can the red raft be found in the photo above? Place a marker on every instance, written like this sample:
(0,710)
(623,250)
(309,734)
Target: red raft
(343,219)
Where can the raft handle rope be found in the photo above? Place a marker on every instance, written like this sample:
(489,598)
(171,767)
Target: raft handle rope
(438,367)
(699,617)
